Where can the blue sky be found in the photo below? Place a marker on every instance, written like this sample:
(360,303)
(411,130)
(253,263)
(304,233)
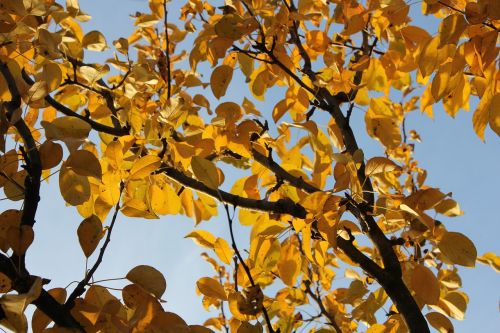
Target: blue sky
(455,158)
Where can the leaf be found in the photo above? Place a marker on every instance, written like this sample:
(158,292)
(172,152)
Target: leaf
(220,79)
(75,189)
(20,238)
(425,284)
(144,166)
(148,278)
(458,249)
(84,163)
(490,258)
(377,165)
(90,232)
(66,127)
(164,200)
(13,306)
(202,238)
(440,322)
(211,288)
(5,283)
(94,41)
(223,251)
(428,60)
(289,263)
(40,320)
(205,171)
(494,114)
(51,154)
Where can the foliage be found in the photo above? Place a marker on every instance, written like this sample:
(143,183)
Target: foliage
(143,140)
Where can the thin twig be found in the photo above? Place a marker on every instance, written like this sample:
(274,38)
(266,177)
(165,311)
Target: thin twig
(80,288)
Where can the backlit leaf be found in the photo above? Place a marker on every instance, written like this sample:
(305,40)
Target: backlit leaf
(223,251)
(205,171)
(211,288)
(144,166)
(458,248)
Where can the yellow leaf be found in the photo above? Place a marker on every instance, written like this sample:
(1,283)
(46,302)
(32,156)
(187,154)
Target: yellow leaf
(223,251)
(137,208)
(377,165)
(164,200)
(458,249)
(220,79)
(494,114)
(52,75)
(66,127)
(317,40)
(114,154)
(428,60)
(84,163)
(202,238)
(440,322)
(144,166)
(94,41)
(90,233)
(448,207)
(289,263)
(425,284)
(14,306)
(456,304)
(451,28)
(491,259)
(148,278)
(75,189)
(205,171)
(37,91)
(376,328)
(211,288)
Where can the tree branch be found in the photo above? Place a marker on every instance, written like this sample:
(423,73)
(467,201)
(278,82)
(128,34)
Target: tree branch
(80,288)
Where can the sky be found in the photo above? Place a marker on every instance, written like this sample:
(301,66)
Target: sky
(456,159)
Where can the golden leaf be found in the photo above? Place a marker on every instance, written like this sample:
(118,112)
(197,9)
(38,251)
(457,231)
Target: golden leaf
(223,251)
(377,165)
(205,171)
(202,238)
(75,189)
(440,322)
(211,288)
(94,41)
(144,166)
(458,249)
(289,263)
(425,284)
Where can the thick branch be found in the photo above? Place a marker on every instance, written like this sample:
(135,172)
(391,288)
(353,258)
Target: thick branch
(282,206)
(45,302)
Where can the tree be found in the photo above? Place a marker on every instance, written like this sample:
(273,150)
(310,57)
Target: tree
(144,141)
